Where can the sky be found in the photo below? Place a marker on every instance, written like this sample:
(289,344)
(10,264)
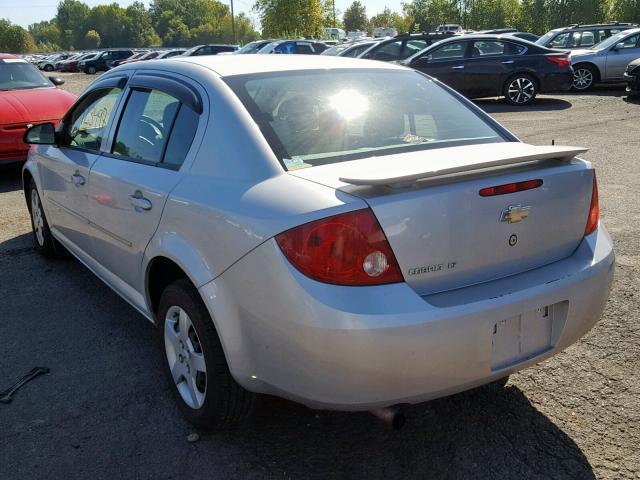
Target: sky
(26,12)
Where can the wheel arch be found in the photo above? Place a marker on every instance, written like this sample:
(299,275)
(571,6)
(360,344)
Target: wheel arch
(161,271)
(27,178)
(527,72)
(595,68)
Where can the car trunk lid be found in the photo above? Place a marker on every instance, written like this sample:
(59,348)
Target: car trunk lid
(444,234)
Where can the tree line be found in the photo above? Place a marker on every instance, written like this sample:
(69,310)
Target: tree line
(175,23)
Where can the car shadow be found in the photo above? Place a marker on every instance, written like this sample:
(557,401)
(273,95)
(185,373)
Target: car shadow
(10,178)
(632,100)
(484,433)
(499,105)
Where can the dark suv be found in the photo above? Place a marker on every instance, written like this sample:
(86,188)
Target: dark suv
(103,61)
(582,36)
(209,50)
(403,46)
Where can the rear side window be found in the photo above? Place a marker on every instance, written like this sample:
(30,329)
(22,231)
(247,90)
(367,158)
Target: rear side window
(486,48)
(88,121)
(149,123)
(304,48)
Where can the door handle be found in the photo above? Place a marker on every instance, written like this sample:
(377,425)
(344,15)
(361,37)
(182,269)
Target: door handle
(139,202)
(508,62)
(458,67)
(78,180)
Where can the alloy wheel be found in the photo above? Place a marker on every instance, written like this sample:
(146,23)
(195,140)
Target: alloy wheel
(185,356)
(582,78)
(521,90)
(37,217)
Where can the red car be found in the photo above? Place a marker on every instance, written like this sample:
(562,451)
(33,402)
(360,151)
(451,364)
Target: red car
(26,97)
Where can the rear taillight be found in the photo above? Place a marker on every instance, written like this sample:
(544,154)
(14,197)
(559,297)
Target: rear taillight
(560,60)
(594,209)
(346,249)
(510,188)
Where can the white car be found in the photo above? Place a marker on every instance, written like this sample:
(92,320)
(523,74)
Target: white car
(348,234)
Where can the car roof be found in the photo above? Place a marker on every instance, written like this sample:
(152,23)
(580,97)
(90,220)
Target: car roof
(227,65)
(8,55)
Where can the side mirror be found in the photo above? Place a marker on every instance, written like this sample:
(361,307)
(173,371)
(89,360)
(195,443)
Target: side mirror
(43,134)
(619,46)
(420,62)
(57,81)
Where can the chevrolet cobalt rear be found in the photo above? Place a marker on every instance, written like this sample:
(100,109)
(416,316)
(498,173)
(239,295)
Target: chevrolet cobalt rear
(351,235)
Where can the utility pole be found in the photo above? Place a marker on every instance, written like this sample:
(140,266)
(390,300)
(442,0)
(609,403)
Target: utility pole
(233,24)
(334,13)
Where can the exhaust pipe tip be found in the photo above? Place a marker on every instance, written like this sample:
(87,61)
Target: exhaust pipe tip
(391,416)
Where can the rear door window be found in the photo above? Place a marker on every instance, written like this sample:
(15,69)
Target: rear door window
(304,48)
(486,48)
(155,128)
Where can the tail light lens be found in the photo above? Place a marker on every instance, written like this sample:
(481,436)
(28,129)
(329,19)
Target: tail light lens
(594,209)
(346,249)
(562,61)
(510,188)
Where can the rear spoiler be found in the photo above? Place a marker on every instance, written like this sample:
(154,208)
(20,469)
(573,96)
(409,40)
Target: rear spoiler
(440,162)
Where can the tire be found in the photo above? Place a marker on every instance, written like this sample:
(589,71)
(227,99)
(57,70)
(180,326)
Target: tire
(90,70)
(206,393)
(43,241)
(584,77)
(520,90)
(48,68)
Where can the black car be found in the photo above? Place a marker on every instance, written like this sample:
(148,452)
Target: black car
(103,61)
(200,50)
(495,65)
(632,77)
(402,46)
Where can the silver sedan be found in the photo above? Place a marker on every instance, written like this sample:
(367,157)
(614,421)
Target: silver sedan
(347,234)
(605,62)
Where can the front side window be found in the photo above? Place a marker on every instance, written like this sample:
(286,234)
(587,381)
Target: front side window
(388,51)
(88,121)
(450,51)
(155,127)
(631,42)
(355,114)
(559,41)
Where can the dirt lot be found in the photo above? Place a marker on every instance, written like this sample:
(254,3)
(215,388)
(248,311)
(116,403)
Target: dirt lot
(105,410)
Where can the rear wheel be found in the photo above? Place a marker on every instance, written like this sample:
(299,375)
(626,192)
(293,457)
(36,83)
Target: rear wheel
(43,241)
(521,89)
(584,77)
(206,392)
(91,70)
(48,68)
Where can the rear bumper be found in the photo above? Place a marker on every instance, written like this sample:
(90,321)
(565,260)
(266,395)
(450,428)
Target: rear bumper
(556,82)
(357,348)
(633,83)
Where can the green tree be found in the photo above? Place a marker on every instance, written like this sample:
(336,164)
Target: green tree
(45,32)
(14,38)
(388,18)
(428,14)
(282,18)
(110,22)
(355,17)
(71,19)
(534,17)
(138,29)
(622,10)
(92,39)
(328,17)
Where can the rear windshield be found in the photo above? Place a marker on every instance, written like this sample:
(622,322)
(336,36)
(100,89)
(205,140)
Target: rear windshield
(319,117)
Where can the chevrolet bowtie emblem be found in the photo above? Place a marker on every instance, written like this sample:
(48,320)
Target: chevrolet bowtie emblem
(514,214)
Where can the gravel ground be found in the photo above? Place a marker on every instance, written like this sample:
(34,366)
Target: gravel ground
(105,410)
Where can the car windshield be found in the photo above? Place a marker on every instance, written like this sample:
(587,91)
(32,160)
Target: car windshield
(611,41)
(319,117)
(335,50)
(20,75)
